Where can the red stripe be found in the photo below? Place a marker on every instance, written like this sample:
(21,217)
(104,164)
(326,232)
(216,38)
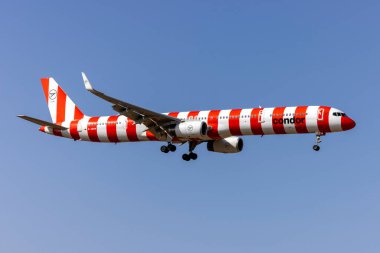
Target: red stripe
(57,132)
(278,120)
(151,136)
(234,122)
(111,129)
(192,114)
(92,129)
(323,125)
(131,130)
(173,114)
(61,105)
(301,124)
(78,114)
(74,130)
(212,121)
(45,87)
(255,124)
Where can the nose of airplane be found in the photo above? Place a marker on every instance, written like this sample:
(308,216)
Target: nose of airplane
(347,123)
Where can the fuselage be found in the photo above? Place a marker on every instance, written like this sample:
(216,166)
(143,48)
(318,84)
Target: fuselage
(221,124)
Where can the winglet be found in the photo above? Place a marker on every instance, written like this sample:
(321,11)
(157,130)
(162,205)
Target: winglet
(87,83)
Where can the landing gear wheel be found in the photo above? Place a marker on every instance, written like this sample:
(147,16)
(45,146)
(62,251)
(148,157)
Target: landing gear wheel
(193,156)
(172,148)
(318,140)
(164,149)
(186,157)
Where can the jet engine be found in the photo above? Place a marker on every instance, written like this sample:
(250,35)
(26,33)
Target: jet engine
(189,129)
(231,144)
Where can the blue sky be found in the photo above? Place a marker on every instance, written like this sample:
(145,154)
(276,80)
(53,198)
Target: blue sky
(276,196)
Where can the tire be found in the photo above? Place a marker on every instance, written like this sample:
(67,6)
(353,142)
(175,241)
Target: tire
(193,156)
(172,148)
(186,157)
(164,149)
(316,148)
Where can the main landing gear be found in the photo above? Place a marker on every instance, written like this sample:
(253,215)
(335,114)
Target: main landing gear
(317,141)
(170,147)
(191,155)
(188,156)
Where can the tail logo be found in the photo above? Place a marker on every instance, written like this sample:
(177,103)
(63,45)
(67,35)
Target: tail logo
(52,94)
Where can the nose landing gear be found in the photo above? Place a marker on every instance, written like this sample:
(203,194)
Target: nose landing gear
(317,141)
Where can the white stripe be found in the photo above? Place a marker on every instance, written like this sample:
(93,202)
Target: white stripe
(311,119)
(48,130)
(245,122)
(140,132)
(335,122)
(102,129)
(182,115)
(69,110)
(223,123)
(121,130)
(203,115)
(267,125)
(66,133)
(290,128)
(84,133)
(52,99)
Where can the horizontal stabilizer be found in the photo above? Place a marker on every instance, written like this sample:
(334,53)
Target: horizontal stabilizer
(42,122)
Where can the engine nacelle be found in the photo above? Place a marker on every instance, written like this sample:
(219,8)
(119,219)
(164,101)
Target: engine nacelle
(190,129)
(231,144)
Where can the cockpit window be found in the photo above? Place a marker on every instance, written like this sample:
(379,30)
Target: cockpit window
(339,114)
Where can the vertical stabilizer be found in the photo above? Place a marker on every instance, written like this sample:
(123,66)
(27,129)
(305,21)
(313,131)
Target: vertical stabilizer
(61,107)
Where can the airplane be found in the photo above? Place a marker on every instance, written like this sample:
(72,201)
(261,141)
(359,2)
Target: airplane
(220,129)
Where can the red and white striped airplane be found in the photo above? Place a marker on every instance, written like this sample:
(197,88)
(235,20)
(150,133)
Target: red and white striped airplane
(220,129)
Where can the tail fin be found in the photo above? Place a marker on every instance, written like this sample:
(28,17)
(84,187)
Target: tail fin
(61,107)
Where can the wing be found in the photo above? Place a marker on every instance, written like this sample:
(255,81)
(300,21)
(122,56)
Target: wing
(156,122)
(42,122)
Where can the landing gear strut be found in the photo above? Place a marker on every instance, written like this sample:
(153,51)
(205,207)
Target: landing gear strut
(191,155)
(170,147)
(317,141)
